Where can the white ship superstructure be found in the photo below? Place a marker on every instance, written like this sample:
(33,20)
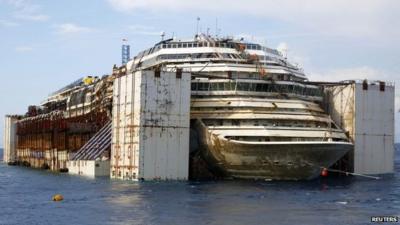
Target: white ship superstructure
(253,113)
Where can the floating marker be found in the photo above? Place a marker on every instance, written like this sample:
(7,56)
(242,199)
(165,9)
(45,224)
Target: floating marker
(58,198)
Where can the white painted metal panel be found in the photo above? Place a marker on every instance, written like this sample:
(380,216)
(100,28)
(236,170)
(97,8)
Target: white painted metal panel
(368,116)
(374,125)
(153,129)
(10,139)
(89,168)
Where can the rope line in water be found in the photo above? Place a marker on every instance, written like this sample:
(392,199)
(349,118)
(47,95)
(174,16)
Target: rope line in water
(354,174)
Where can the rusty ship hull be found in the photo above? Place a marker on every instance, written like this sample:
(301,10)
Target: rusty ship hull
(268,161)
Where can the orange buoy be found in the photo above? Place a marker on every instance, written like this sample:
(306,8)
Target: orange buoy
(324,172)
(58,198)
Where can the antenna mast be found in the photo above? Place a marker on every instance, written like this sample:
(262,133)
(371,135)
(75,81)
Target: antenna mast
(162,36)
(216,27)
(197,28)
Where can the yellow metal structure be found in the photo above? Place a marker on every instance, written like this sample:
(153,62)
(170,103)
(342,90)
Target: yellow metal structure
(88,80)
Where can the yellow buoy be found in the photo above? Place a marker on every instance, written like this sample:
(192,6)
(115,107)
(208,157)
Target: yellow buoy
(58,198)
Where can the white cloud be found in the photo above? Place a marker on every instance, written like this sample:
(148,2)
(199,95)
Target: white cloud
(23,49)
(334,17)
(7,23)
(356,73)
(70,28)
(26,10)
(31,17)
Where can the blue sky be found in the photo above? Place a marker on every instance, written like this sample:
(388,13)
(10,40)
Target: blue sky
(47,44)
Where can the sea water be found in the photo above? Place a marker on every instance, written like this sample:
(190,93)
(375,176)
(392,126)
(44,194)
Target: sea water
(26,198)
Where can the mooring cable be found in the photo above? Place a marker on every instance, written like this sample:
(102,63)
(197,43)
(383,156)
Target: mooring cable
(351,173)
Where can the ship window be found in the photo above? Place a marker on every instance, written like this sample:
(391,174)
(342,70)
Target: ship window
(190,45)
(194,86)
(301,90)
(168,46)
(164,46)
(214,86)
(227,86)
(201,44)
(252,87)
(203,86)
(233,86)
(179,45)
(320,92)
(173,45)
(308,91)
(305,91)
(313,92)
(223,45)
(184,45)
(296,89)
(266,87)
(217,44)
(235,122)
(243,86)
(194,45)
(283,88)
(259,87)
(291,89)
(220,86)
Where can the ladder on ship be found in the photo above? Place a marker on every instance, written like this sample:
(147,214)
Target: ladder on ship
(97,145)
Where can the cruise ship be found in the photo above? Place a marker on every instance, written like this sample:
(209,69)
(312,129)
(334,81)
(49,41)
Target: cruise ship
(254,115)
